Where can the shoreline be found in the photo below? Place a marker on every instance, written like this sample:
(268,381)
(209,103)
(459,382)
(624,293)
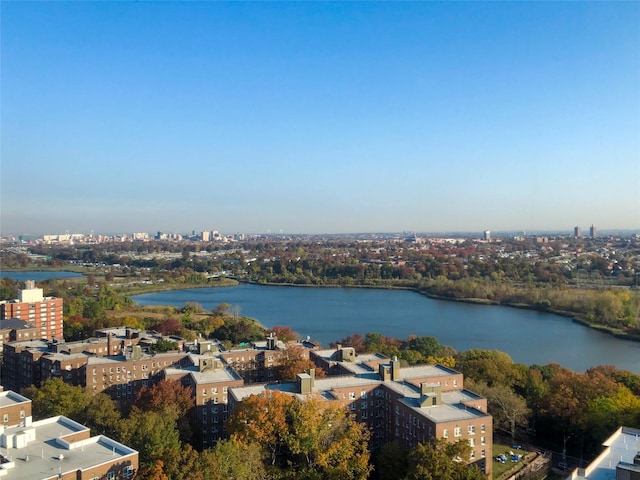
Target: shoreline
(156,288)
(475,301)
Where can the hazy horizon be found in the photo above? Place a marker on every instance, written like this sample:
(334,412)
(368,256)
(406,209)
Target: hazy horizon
(319,117)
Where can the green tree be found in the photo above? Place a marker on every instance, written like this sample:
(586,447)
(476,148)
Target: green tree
(233,459)
(153,434)
(55,397)
(391,462)
(439,459)
(101,415)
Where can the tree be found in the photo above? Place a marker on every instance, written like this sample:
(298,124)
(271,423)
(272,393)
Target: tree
(427,346)
(439,459)
(101,415)
(311,439)
(55,397)
(285,333)
(509,409)
(233,459)
(295,360)
(391,462)
(153,434)
(171,400)
(491,366)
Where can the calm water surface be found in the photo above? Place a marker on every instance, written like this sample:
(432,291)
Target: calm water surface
(328,314)
(38,276)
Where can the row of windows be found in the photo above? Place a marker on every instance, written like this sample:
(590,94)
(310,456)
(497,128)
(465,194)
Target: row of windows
(457,431)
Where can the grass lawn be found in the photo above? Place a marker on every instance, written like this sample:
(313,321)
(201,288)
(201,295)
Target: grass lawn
(501,468)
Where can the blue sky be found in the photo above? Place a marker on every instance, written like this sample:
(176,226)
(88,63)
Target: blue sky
(319,117)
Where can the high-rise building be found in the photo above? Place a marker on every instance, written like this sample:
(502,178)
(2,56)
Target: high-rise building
(45,313)
(487,235)
(593,231)
(577,232)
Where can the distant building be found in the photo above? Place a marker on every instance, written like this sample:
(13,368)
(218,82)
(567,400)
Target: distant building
(45,313)
(577,232)
(487,235)
(206,236)
(593,231)
(57,448)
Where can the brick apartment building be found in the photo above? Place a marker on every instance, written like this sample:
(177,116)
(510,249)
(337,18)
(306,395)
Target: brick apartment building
(408,405)
(14,329)
(45,313)
(57,447)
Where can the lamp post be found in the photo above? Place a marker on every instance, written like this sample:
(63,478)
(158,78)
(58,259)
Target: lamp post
(564,449)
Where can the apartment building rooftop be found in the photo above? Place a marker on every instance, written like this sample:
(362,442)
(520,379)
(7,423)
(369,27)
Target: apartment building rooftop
(10,398)
(622,454)
(58,446)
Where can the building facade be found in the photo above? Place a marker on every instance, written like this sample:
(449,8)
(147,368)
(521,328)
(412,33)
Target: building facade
(45,313)
(408,405)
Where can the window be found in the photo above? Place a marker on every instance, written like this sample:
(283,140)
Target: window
(473,454)
(472,443)
(482,441)
(445,433)
(214,390)
(21,413)
(6,418)
(225,389)
(364,415)
(457,432)
(482,428)
(483,453)
(363,405)
(472,429)
(363,394)
(351,407)
(111,475)
(352,395)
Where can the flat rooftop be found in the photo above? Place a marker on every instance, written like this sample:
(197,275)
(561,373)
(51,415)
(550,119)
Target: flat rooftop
(9,398)
(41,457)
(622,446)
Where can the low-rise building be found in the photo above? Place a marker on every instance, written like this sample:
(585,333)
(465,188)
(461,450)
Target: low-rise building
(57,447)
(620,460)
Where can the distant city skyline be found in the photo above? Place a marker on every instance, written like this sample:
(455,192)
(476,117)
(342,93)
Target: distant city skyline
(319,117)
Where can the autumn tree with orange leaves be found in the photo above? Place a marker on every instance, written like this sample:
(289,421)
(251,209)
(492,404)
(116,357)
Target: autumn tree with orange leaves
(303,439)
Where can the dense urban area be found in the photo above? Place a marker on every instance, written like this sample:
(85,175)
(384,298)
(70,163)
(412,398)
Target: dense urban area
(216,393)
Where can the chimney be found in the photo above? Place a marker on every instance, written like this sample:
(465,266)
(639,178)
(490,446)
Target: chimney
(305,383)
(431,394)
(395,368)
(271,341)
(312,374)
(385,372)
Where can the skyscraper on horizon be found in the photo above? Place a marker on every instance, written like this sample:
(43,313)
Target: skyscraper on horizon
(577,232)
(593,231)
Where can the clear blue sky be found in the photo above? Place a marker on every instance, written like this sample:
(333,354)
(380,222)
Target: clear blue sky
(319,117)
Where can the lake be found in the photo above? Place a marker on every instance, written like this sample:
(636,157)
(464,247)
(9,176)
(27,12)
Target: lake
(329,314)
(39,275)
